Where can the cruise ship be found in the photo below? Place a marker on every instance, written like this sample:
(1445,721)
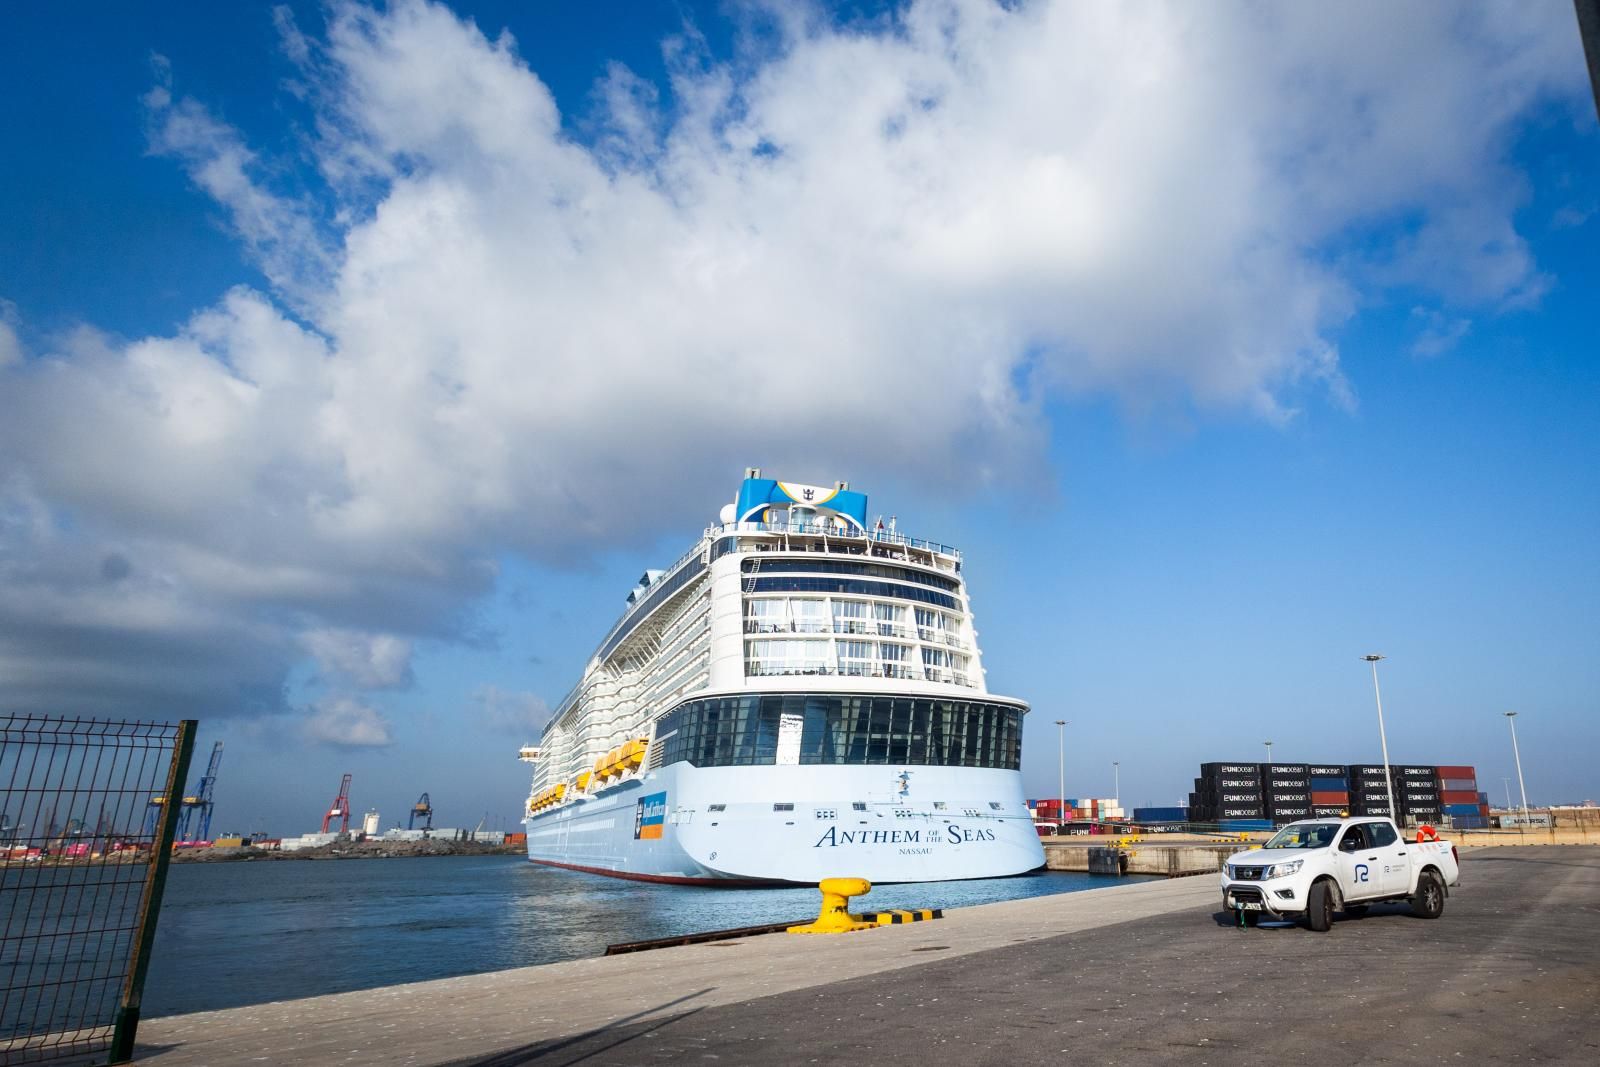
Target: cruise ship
(798,697)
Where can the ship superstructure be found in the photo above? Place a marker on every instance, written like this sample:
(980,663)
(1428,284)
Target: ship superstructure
(799,696)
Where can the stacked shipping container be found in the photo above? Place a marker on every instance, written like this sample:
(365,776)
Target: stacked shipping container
(1460,800)
(1232,791)
(1286,788)
(1283,792)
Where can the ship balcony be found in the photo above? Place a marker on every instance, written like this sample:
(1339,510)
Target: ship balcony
(803,537)
(759,669)
(855,627)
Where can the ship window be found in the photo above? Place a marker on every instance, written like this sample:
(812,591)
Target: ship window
(836,566)
(858,805)
(799,584)
(938,805)
(995,805)
(716,807)
(839,728)
(783,807)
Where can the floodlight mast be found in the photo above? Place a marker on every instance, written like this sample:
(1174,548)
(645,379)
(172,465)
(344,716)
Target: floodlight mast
(1383,738)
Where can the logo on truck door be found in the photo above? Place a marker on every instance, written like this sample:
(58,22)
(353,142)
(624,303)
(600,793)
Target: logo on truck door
(1361,872)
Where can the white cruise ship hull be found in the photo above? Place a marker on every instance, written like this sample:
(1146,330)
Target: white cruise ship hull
(795,824)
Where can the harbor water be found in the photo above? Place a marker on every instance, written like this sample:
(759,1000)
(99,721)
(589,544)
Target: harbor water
(233,934)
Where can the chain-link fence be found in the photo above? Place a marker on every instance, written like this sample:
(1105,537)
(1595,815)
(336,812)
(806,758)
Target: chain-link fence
(87,811)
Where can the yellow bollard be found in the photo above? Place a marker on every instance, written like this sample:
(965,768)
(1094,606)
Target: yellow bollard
(835,917)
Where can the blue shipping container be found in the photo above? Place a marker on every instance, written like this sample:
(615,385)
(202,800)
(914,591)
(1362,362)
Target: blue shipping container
(1461,809)
(1160,814)
(1329,785)
(1246,824)
(1470,822)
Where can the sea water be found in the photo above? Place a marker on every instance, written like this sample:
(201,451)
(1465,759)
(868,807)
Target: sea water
(232,934)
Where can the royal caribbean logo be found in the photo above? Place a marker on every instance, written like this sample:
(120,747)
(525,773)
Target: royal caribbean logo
(649,817)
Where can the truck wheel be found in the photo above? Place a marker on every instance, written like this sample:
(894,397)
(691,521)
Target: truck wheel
(1428,901)
(1355,911)
(1319,908)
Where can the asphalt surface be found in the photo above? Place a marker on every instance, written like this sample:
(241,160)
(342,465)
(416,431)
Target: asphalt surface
(1509,974)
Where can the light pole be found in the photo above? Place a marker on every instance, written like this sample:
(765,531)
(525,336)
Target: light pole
(1511,717)
(1269,753)
(1383,738)
(1061,768)
(1116,782)
(1507,783)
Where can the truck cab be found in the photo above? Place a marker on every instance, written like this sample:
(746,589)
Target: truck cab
(1309,870)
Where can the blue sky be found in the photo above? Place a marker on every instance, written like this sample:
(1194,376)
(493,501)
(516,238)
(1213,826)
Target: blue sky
(348,379)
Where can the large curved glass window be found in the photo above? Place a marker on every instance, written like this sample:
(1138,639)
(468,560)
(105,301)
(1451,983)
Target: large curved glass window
(784,565)
(781,584)
(843,728)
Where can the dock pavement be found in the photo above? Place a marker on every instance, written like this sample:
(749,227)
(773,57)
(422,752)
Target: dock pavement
(1145,973)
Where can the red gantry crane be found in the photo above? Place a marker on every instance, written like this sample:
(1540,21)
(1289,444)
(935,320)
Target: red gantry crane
(340,808)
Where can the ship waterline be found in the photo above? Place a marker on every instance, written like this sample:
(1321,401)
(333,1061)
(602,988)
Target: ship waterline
(799,696)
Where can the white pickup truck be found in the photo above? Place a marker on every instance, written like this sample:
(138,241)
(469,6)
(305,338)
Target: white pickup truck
(1312,869)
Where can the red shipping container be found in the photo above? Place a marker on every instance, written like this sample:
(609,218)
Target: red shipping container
(1330,797)
(1461,797)
(1458,772)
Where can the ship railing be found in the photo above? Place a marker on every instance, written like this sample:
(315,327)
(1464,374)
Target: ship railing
(759,669)
(845,535)
(757,624)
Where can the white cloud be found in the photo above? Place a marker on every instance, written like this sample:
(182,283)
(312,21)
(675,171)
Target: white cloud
(367,660)
(891,242)
(347,723)
(1438,333)
(521,714)
(10,344)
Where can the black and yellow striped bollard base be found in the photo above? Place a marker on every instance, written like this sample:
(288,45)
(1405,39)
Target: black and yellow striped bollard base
(892,918)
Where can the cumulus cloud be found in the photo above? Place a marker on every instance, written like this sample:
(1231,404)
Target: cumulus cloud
(347,723)
(367,660)
(484,334)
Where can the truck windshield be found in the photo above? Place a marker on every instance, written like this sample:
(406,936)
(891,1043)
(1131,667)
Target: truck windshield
(1304,835)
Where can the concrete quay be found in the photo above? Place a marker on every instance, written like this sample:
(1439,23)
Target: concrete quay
(1141,973)
(1102,855)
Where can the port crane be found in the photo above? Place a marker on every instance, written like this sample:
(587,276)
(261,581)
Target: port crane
(198,806)
(422,809)
(340,808)
(197,802)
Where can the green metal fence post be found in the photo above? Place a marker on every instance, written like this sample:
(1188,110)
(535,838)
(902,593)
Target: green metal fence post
(155,883)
